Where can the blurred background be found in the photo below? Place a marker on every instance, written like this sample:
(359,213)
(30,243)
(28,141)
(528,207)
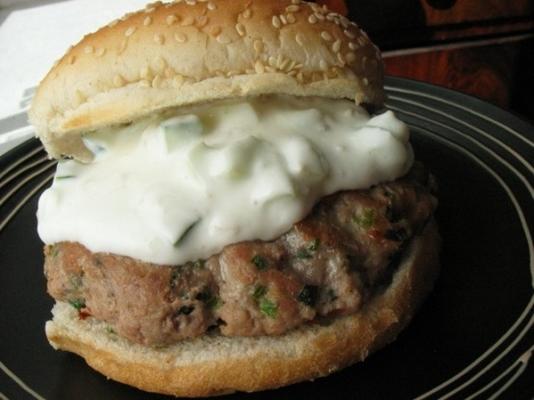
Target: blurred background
(484,48)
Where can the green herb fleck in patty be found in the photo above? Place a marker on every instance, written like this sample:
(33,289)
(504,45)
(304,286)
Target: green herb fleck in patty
(259,261)
(259,292)
(78,304)
(268,307)
(366,219)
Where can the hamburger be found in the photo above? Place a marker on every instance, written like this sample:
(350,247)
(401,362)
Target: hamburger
(227,213)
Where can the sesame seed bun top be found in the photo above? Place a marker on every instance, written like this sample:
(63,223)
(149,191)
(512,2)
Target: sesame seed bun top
(187,52)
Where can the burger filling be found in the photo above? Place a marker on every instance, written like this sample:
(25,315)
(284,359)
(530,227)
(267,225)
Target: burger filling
(329,264)
(249,217)
(174,188)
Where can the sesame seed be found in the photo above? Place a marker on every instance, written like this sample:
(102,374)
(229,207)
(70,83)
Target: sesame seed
(291,18)
(268,68)
(100,52)
(283,19)
(178,81)
(147,21)
(292,8)
(156,81)
(276,21)
(298,66)
(113,23)
(314,6)
(323,65)
(118,81)
(202,20)
(300,77)
(247,13)
(350,57)
(215,30)
(259,67)
(144,83)
(336,46)
(130,31)
(272,61)
(169,72)
(312,19)
(149,9)
(190,2)
(189,20)
(80,98)
(211,6)
(319,16)
(144,72)
(123,46)
(349,34)
(258,46)
(299,38)
(295,1)
(365,81)
(223,39)
(88,49)
(180,37)
(326,36)
(171,19)
(341,59)
(353,46)
(344,22)
(160,63)
(361,41)
(240,28)
(159,38)
(292,65)
(283,64)
(292,73)
(71,60)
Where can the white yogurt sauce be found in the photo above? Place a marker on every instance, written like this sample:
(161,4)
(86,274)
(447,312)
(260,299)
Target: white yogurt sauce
(178,187)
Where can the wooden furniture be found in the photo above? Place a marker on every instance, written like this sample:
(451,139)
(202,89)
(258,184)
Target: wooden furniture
(481,47)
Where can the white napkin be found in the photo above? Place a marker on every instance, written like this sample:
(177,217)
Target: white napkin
(33,34)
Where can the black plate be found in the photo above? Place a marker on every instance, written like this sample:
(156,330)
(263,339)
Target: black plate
(472,338)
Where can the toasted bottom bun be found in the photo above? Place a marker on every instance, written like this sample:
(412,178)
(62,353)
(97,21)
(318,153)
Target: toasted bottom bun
(215,364)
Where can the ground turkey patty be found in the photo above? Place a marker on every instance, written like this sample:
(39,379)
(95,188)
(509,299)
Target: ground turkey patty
(328,264)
